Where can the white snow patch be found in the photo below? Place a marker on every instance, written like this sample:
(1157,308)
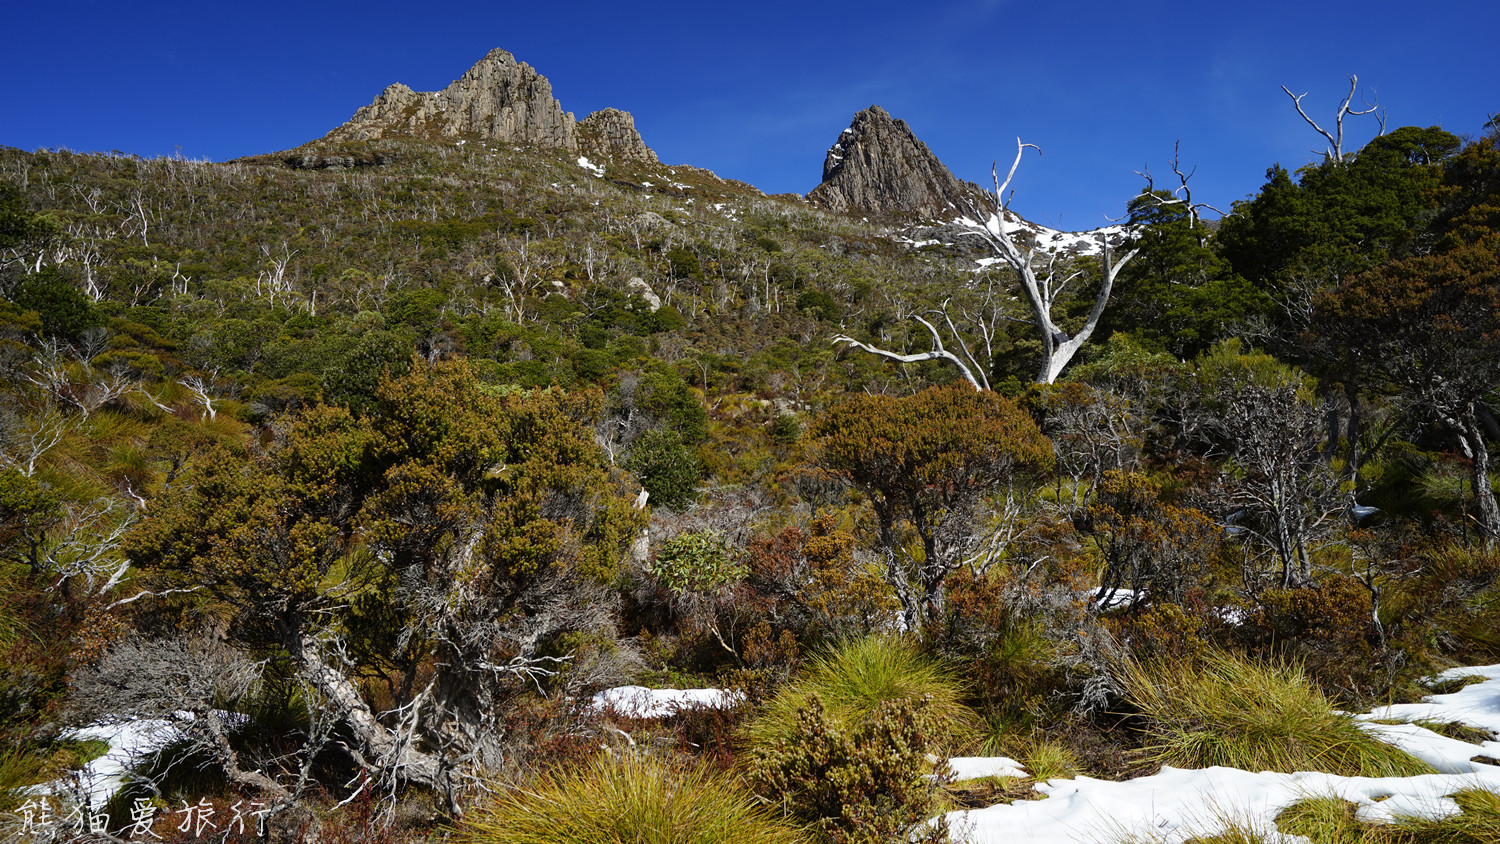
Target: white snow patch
(596,169)
(1048,239)
(641,702)
(130,742)
(1102,598)
(974,767)
(1176,805)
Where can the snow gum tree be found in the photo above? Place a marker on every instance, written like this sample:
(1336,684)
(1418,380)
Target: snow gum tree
(929,462)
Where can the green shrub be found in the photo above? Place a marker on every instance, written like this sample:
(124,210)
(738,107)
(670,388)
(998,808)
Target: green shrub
(633,800)
(863,782)
(1257,716)
(696,562)
(666,467)
(64,310)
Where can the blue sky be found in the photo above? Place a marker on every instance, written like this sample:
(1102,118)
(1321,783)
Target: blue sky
(758,91)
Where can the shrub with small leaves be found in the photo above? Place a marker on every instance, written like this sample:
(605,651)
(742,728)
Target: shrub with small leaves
(866,782)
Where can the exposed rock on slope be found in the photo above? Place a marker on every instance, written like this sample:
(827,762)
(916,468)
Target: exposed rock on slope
(501,99)
(879,166)
(610,134)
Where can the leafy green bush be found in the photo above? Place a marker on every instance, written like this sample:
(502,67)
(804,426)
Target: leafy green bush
(666,467)
(65,312)
(633,800)
(696,562)
(1257,716)
(861,782)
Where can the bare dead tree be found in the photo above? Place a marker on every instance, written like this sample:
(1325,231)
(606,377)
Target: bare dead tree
(1335,138)
(199,386)
(77,382)
(967,365)
(1041,278)
(1180,195)
(184,681)
(25,438)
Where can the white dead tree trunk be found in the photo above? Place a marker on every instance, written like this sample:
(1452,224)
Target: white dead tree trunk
(1335,138)
(970,369)
(1038,273)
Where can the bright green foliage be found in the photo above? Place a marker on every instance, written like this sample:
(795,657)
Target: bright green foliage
(866,781)
(1257,716)
(1177,294)
(668,399)
(629,800)
(64,311)
(928,461)
(28,511)
(696,561)
(1339,218)
(667,469)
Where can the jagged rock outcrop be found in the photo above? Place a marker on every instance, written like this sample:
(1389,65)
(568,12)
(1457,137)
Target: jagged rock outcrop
(501,99)
(609,134)
(879,166)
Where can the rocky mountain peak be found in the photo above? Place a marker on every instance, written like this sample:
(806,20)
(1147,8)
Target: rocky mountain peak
(879,166)
(610,134)
(501,99)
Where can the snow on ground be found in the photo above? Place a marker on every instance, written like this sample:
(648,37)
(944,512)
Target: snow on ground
(974,767)
(1175,805)
(641,702)
(1171,806)
(596,169)
(129,742)
(1476,705)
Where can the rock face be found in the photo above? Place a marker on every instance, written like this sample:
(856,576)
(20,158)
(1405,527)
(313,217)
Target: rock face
(610,134)
(501,99)
(878,166)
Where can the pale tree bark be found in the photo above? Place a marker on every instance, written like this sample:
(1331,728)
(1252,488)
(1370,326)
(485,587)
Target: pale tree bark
(1470,433)
(1335,138)
(1041,280)
(971,370)
(1180,195)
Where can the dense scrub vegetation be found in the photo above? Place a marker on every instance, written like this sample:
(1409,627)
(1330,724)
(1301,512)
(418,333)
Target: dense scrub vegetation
(368,478)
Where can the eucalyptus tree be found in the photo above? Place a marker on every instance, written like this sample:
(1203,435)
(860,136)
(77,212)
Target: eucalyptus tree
(1044,275)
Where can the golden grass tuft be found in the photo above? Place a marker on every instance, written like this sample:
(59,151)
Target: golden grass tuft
(1256,716)
(631,800)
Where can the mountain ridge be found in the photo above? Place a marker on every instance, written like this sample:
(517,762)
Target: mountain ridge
(498,98)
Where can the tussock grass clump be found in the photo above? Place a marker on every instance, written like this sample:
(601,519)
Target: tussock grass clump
(1256,716)
(854,679)
(1331,820)
(630,800)
(18,769)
